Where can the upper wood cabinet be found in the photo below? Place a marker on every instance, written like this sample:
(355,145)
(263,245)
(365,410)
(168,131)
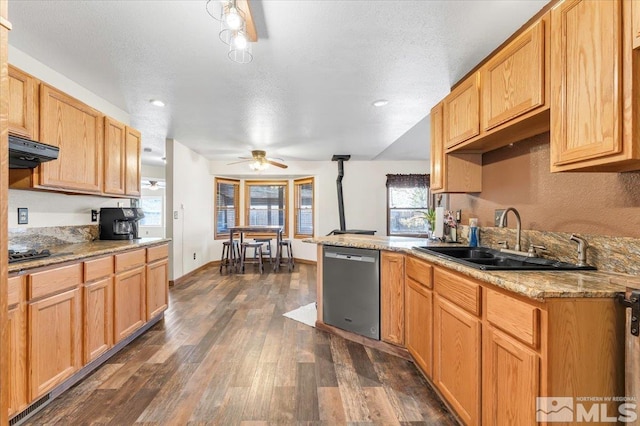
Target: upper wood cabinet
(77,130)
(462,112)
(635,13)
(451,172)
(513,81)
(593,105)
(114,157)
(392,297)
(22,104)
(133,168)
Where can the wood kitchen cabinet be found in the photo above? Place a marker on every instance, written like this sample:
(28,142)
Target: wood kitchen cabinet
(133,166)
(157,280)
(451,172)
(129,293)
(461,109)
(457,343)
(593,70)
(392,297)
(54,327)
(17,344)
(23,102)
(635,25)
(114,157)
(77,130)
(419,313)
(98,307)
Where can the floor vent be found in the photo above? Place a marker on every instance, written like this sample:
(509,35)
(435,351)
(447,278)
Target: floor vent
(30,410)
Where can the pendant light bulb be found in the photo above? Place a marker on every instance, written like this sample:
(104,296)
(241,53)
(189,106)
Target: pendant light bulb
(233,19)
(240,41)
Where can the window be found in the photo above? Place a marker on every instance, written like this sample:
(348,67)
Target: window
(152,208)
(226,206)
(266,203)
(303,196)
(407,199)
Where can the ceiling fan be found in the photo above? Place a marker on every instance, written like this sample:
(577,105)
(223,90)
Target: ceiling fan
(153,185)
(259,161)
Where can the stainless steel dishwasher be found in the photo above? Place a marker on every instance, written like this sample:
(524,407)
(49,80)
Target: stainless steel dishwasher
(351,290)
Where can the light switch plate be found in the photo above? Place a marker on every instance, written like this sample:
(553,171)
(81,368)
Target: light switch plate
(496,217)
(23,215)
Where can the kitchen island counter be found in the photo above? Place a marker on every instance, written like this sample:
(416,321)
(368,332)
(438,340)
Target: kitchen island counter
(73,252)
(537,285)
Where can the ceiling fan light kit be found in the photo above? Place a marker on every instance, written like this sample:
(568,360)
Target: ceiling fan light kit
(259,161)
(233,31)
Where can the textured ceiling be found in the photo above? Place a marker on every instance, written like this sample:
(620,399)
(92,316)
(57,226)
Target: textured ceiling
(318,65)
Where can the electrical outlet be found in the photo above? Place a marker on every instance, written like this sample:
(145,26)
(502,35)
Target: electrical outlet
(94,215)
(175,214)
(23,216)
(194,256)
(497,216)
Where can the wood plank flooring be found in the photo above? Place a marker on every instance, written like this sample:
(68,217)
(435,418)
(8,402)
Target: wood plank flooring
(225,355)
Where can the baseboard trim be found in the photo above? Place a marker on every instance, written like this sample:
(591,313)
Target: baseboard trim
(305,261)
(185,277)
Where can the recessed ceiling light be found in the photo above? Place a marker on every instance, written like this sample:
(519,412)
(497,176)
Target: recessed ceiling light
(156,102)
(380,103)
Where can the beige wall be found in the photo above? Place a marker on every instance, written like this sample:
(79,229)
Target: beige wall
(586,203)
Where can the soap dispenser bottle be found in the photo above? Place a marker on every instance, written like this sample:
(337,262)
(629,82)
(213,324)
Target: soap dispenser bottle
(473,232)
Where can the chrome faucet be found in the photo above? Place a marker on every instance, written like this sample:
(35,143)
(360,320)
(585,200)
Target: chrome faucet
(518,225)
(583,245)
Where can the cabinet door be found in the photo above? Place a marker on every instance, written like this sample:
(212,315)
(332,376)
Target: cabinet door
(462,112)
(157,287)
(98,318)
(22,104)
(511,380)
(392,297)
(419,325)
(129,302)
(114,157)
(635,16)
(456,362)
(55,340)
(133,144)
(513,80)
(78,131)
(438,158)
(586,79)
(17,359)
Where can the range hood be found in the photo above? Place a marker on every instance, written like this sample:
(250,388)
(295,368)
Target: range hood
(27,154)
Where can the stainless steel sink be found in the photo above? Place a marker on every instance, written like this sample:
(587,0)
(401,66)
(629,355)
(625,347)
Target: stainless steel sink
(494,260)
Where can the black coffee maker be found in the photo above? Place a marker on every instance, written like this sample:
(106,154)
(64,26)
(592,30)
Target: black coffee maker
(119,223)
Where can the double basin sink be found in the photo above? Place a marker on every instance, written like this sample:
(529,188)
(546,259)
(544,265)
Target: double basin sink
(494,260)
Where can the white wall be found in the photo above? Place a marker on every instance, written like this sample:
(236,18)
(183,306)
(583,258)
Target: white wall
(190,199)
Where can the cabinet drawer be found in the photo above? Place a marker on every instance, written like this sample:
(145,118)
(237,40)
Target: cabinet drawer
(130,260)
(159,252)
(98,268)
(54,280)
(16,290)
(420,271)
(460,290)
(513,316)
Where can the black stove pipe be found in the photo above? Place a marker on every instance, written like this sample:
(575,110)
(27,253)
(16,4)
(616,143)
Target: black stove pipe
(340,159)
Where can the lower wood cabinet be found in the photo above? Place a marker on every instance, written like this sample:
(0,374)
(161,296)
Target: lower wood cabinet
(419,324)
(98,318)
(129,302)
(157,287)
(511,374)
(17,340)
(392,297)
(55,340)
(456,363)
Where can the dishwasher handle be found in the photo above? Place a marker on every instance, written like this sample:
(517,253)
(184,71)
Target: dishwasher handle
(351,257)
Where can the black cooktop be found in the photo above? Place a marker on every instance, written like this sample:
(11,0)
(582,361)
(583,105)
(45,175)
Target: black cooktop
(22,256)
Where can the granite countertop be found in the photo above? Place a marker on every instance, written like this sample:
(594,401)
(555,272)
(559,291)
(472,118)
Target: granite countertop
(70,252)
(538,285)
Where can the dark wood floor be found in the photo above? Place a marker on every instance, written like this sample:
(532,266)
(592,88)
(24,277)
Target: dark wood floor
(225,355)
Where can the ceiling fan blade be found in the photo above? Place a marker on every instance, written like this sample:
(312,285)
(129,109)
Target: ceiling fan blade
(275,163)
(241,161)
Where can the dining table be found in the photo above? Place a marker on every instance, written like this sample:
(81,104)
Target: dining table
(258,229)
